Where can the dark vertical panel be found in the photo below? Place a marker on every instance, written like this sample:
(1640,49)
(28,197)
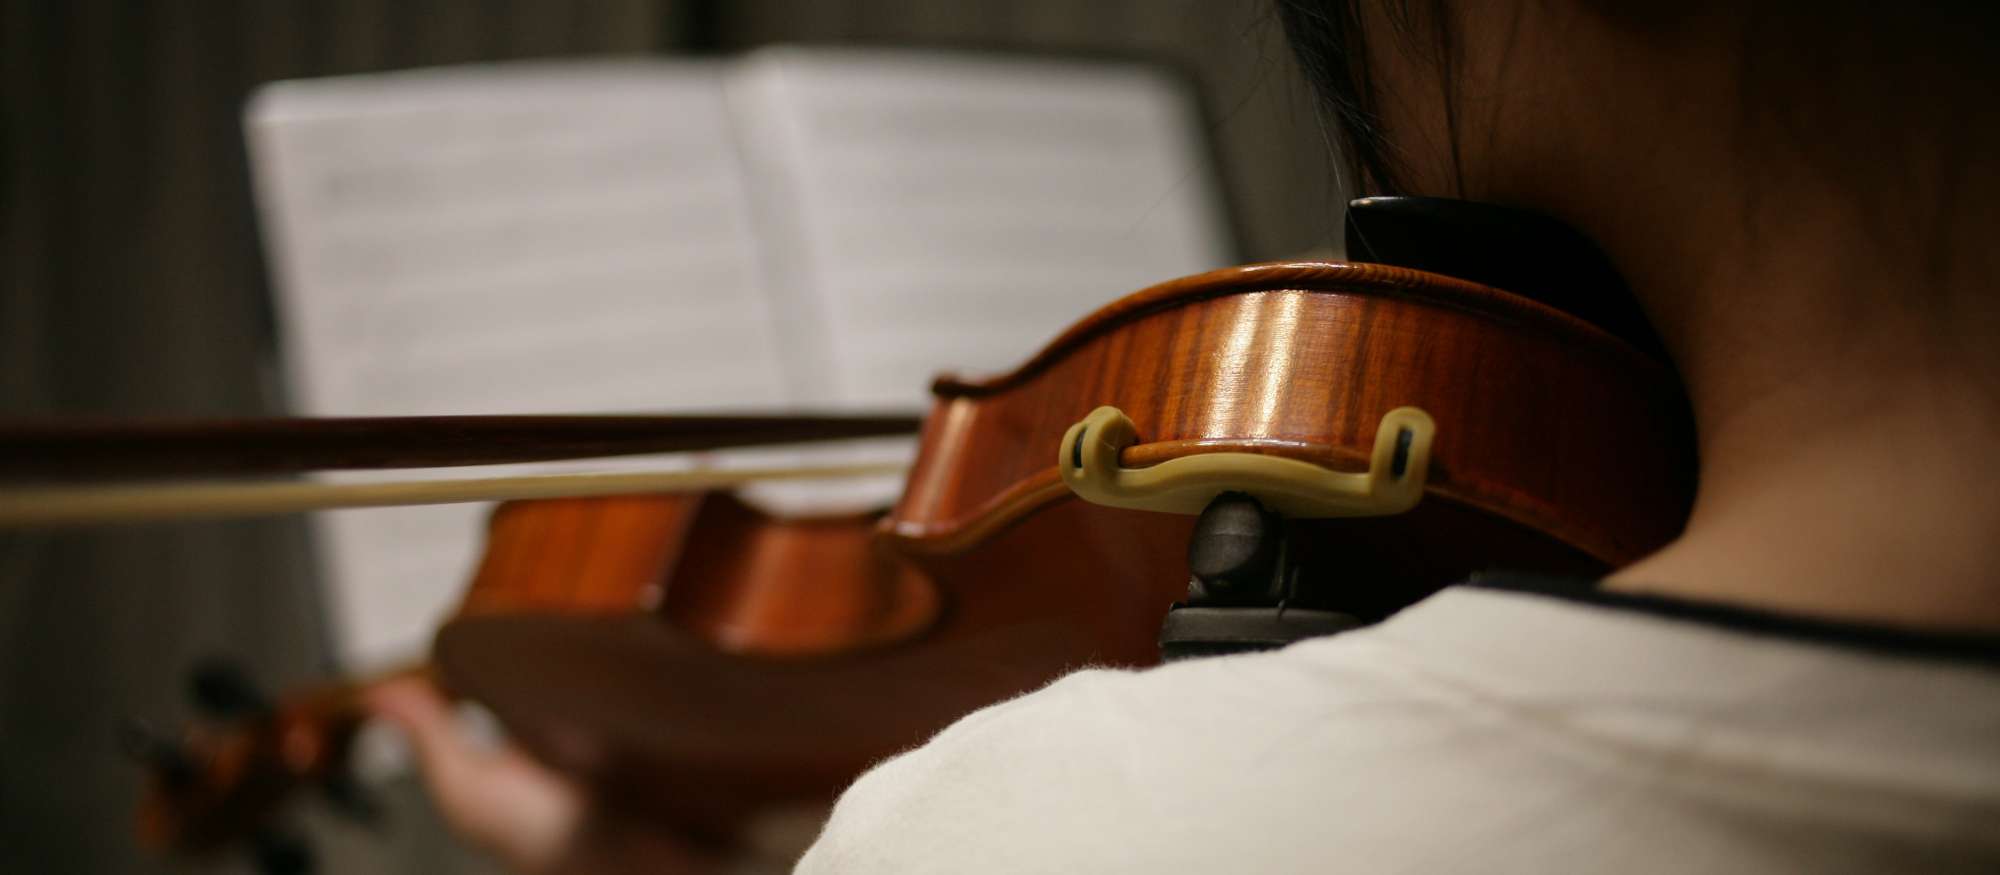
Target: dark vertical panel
(142,271)
(77,217)
(446,32)
(133,283)
(538,29)
(701,23)
(24,207)
(356,28)
(199,309)
(1051,23)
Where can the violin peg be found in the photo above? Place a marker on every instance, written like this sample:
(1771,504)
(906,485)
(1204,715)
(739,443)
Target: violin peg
(222,689)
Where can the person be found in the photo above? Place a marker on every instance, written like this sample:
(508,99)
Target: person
(1801,195)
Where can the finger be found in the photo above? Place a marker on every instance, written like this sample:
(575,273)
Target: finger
(416,707)
(500,799)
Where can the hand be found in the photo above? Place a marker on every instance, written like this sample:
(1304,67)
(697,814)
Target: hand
(532,818)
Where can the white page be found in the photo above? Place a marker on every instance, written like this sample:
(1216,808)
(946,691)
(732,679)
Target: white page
(506,239)
(494,239)
(954,212)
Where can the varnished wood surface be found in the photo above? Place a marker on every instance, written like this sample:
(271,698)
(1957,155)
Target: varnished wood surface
(82,448)
(740,580)
(693,572)
(1373,279)
(753,584)
(1559,449)
(703,738)
(680,715)
(580,556)
(1542,420)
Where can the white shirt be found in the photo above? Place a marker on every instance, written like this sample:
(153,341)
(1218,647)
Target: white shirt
(1481,730)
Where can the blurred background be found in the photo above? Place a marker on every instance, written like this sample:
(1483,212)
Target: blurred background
(134,279)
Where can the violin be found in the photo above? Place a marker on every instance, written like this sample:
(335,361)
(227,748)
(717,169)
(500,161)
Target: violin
(1555,447)
(736,579)
(1399,429)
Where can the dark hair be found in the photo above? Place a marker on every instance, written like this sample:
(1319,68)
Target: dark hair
(1807,67)
(1888,107)
(1331,46)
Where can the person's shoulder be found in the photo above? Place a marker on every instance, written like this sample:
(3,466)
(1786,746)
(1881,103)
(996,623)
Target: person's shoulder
(1099,706)
(1414,744)
(1071,762)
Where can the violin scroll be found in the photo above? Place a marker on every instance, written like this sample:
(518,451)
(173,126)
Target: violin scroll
(225,780)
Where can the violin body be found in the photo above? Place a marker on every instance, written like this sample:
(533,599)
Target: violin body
(767,586)
(740,580)
(1559,448)
(690,656)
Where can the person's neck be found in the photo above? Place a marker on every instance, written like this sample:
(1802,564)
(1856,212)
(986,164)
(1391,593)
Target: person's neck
(1891,516)
(1850,446)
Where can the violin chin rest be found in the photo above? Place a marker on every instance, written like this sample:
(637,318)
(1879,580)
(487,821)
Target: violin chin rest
(1088,459)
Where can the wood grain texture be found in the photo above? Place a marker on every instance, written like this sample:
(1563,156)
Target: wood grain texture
(1543,420)
(1559,449)
(738,579)
(580,556)
(750,583)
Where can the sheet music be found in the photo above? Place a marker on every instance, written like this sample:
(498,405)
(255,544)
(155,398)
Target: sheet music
(524,238)
(953,212)
(795,227)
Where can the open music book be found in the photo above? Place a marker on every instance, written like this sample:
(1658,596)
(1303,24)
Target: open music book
(792,229)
